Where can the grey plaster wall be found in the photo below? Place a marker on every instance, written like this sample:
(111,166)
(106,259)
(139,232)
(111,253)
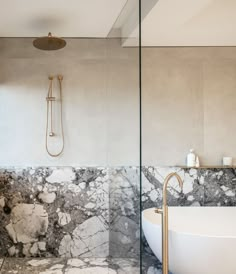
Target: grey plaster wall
(188,102)
(100,103)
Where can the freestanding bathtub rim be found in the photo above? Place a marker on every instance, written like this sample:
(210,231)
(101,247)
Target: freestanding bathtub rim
(184,232)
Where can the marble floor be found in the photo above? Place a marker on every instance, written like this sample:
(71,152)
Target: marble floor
(72,266)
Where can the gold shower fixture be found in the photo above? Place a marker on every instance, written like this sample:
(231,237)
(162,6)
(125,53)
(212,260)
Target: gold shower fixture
(50,100)
(165,229)
(49,42)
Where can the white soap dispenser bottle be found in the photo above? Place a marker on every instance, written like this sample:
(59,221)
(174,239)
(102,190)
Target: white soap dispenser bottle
(191,158)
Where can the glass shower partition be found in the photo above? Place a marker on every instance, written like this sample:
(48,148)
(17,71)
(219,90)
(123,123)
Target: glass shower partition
(124,140)
(86,203)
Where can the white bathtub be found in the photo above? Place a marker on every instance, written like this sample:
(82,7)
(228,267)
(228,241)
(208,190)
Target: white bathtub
(202,240)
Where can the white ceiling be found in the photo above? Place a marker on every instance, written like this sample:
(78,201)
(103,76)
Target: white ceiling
(74,18)
(190,23)
(165,22)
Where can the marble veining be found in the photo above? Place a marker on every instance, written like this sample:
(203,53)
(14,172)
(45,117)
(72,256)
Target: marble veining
(124,212)
(71,266)
(202,187)
(51,212)
(84,212)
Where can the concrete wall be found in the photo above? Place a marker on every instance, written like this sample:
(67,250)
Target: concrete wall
(189,99)
(100,103)
(188,102)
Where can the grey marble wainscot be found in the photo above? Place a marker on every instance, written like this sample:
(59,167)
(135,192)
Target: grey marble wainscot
(124,212)
(95,212)
(51,212)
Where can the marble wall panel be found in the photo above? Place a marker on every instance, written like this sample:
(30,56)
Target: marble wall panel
(95,211)
(124,201)
(52,212)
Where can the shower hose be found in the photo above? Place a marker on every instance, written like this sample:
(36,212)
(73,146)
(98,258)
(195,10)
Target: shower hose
(50,100)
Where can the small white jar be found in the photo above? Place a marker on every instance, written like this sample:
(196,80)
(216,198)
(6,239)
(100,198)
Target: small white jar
(227,161)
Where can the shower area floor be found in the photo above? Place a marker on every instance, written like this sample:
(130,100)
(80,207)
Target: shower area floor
(80,266)
(68,266)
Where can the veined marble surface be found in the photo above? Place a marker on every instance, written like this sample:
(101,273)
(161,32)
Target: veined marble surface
(95,212)
(71,266)
(202,187)
(124,197)
(51,212)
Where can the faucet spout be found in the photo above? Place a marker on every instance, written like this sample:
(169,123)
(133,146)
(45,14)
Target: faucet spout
(165,185)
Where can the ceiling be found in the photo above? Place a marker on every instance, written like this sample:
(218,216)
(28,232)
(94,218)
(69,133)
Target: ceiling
(190,23)
(74,18)
(164,22)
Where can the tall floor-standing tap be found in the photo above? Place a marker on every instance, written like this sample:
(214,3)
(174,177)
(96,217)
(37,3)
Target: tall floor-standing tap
(164,212)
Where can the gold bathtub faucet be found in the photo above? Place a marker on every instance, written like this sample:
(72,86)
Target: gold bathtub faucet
(164,212)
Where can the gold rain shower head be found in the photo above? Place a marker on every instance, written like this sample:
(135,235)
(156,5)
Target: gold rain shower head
(49,42)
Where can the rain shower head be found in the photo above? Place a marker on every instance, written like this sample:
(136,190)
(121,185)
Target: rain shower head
(49,42)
